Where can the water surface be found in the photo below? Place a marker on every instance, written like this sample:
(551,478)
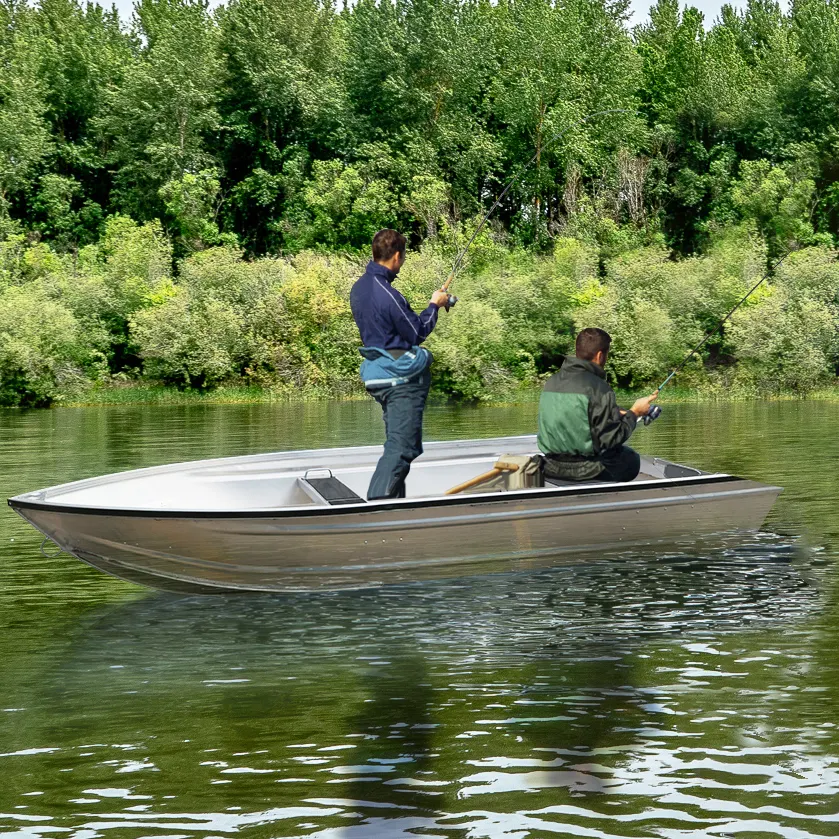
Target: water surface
(686,693)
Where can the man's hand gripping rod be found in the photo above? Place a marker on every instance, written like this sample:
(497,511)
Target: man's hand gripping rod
(655,411)
(458,262)
(451,298)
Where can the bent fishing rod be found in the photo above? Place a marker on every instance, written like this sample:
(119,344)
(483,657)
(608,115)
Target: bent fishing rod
(458,262)
(655,410)
(718,328)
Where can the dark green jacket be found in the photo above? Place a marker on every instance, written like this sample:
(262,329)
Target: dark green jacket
(579,418)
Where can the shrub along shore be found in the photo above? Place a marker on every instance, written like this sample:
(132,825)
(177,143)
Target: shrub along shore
(280,328)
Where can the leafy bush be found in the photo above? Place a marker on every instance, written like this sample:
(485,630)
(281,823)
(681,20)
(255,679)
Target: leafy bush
(42,349)
(189,341)
(786,342)
(657,309)
(319,340)
(285,323)
(513,320)
(468,349)
(271,321)
(127,270)
(787,339)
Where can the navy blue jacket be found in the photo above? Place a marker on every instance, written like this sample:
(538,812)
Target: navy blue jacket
(383,315)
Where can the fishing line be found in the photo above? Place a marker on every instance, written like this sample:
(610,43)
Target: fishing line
(458,262)
(718,328)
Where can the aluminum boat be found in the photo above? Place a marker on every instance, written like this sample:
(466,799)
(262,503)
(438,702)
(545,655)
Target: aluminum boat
(298,521)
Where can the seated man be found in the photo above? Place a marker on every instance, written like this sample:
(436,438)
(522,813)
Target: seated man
(581,429)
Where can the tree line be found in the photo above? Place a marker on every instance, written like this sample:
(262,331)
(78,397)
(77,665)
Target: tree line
(176,191)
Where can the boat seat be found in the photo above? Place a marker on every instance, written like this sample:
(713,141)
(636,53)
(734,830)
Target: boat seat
(327,489)
(676,470)
(559,482)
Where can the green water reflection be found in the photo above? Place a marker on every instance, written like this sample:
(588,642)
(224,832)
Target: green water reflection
(687,694)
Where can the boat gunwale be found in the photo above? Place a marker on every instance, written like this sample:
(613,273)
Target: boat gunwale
(20,502)
(374,451)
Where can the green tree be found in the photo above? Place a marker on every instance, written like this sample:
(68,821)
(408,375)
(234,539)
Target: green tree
(281,101)
(83,55)
(157,120)
(24,133)
(560,63)
(59,212)
(345,205)
(781,199)
(697,90)
(193,203)
(428,202)
(417,76)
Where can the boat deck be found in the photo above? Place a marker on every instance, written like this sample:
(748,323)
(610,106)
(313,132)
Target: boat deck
(274,481)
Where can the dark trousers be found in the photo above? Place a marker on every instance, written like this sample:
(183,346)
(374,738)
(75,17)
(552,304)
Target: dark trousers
(402,408)
(620,465)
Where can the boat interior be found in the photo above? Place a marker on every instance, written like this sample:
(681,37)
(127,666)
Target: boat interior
(325,477)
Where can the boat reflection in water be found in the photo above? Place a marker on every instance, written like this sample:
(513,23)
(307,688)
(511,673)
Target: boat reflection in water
(646,679)
(298,521)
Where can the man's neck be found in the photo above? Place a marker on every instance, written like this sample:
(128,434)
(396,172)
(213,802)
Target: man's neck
(591,365)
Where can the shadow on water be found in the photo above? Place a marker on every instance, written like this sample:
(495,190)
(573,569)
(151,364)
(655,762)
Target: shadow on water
(376,713)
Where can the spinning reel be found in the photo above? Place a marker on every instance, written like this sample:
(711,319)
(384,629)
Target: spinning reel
(449,304)
(654,414)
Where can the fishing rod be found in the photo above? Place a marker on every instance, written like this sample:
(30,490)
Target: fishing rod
(458,262)
(655,410)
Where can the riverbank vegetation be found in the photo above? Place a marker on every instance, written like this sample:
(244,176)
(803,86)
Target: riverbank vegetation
(185,201)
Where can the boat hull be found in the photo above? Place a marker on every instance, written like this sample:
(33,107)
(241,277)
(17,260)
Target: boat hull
(306,550)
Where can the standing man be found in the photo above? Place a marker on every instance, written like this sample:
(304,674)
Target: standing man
(582,432)
(395,369)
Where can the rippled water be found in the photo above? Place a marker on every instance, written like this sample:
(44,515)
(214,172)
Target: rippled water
(693,693)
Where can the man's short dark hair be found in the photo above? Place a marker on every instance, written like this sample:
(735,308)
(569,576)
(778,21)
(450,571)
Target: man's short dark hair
(592,341)
(387,243)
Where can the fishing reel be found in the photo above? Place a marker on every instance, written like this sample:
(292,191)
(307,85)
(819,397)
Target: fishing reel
(449,304)
(654,414)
